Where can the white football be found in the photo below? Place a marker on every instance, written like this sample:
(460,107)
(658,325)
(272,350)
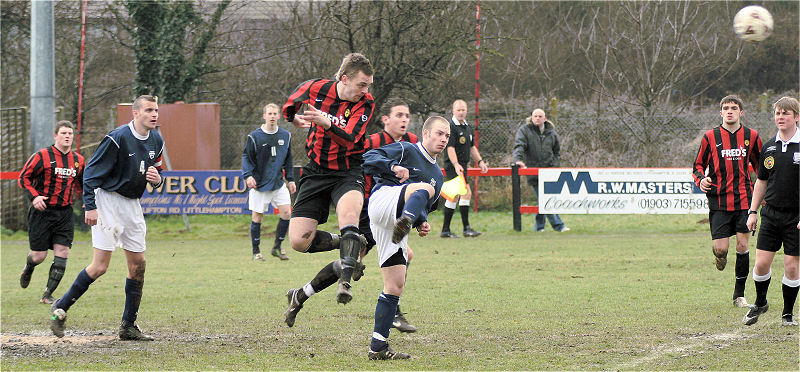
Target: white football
(752,23)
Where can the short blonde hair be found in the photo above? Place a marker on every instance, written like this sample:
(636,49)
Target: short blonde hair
(787,103)
(264,111)
(352,64)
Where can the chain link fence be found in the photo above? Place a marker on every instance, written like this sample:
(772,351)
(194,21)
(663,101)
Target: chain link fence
(669,141)
(586,140)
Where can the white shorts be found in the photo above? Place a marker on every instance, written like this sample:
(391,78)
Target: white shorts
(259,201)
(120,223)
(382,216)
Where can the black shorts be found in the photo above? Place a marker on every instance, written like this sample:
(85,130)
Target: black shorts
(725,224)
(51,226)
(779,226)
(396,259)
(450,171)
(319,187)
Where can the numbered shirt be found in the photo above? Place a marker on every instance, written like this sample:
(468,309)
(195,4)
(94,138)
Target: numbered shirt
(267,157)
(120,162)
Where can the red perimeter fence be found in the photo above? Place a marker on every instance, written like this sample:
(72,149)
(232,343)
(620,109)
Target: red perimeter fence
(515,172)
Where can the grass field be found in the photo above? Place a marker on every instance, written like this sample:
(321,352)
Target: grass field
(615,293)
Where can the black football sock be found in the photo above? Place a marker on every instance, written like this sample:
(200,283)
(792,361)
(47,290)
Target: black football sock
(29,264)
(762,286)
(56,273)
(790,288)
(741,271)
(325,278)
(323,241)
(448,215)
(464,209)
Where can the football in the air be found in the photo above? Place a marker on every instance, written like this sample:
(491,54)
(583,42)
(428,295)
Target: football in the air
(752,23)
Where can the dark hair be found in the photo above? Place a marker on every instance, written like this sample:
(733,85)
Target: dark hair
(61,124)
(732,98)
(352,64)
(387,106)
(137,103)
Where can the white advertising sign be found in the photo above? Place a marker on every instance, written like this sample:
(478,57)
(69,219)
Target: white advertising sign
(620,191)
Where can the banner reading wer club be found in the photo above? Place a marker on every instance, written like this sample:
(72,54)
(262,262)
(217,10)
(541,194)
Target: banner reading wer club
(197,192)
(619,191)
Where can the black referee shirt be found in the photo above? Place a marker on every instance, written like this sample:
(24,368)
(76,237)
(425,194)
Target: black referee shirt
(461,139)
(780,166)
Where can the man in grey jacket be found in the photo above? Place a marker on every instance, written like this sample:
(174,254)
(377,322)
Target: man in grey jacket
(536,145)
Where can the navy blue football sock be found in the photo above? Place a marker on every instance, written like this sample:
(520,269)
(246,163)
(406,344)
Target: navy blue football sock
(384,316)
(280,231)
(255,236)
(133,297)
(78,288)
(415,204)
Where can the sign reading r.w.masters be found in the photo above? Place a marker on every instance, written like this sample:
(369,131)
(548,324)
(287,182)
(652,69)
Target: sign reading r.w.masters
(619,191)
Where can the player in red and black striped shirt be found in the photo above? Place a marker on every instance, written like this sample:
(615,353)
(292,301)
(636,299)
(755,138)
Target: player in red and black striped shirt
(336,116)
(395,117)
(720,170)
(50,178)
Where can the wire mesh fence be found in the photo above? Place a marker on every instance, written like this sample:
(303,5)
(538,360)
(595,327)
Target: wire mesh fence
(586,140)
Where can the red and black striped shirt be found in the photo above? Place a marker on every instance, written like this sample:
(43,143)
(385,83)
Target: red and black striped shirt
(726,156)
(53,174)
(379,139)
(341,146)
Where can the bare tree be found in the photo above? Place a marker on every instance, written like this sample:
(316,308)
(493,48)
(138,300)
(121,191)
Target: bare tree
(638,55)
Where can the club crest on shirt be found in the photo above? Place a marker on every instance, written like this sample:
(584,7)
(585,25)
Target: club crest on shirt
(796,158)
(462,140)
(769,162)
(77,165)
(747,142)
(433,182)
(152,154)
(280,142)
(347,113)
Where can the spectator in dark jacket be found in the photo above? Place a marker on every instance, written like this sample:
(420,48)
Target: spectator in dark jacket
(536,145)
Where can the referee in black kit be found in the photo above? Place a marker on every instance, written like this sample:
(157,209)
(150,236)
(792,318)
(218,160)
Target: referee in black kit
(779,185)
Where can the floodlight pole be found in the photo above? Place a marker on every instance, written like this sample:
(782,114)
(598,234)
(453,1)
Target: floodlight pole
(477,91)
(42,67)
(84,5)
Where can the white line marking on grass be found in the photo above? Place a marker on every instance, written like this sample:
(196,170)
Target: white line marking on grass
(694,343)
